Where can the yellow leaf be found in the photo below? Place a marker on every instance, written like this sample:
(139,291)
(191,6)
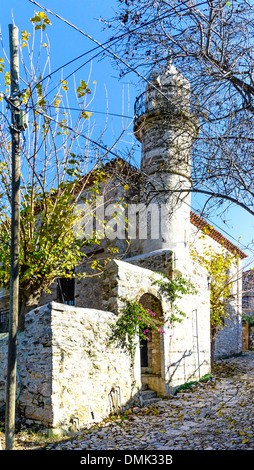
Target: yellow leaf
(126,187)
(86,114)
(245,441)
(25,35)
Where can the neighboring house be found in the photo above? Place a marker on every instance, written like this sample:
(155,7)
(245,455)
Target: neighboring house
(229,338)
(248,310)
(78,374)
(248,293)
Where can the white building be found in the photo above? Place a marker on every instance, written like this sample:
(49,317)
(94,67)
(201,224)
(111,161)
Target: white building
(167,128)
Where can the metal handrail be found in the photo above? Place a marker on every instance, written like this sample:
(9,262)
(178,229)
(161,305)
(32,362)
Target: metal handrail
(141,105)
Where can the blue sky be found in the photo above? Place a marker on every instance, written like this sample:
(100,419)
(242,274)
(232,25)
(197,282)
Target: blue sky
(112,96)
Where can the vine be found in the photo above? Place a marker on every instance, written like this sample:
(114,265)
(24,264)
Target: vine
(135,320)
(174,289)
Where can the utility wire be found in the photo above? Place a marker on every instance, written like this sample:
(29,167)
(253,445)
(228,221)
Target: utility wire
(103,147)
(104,48)
(206,218)
(110,41)
(69,108)
(144,173)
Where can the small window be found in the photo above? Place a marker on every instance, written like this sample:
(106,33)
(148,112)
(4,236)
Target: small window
(66,291)
(245,302)
(4,320)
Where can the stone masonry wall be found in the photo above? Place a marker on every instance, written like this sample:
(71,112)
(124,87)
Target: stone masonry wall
(185,348)
(69,378)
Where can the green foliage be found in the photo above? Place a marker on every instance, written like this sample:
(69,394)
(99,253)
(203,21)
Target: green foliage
(248,319)
(83,89)
(188,385)
(135,321)
(174,289)
(218,265)
(53,175)
(48,247)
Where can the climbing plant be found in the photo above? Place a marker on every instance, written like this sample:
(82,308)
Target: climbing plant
(134,321)
(218,265)
(137,321)
(174,288)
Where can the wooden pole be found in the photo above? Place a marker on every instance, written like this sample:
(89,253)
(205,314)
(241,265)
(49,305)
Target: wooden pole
(15,240)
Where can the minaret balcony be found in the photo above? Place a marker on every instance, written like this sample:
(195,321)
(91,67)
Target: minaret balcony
(175,100)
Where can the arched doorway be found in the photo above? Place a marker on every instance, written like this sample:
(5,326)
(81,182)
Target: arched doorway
(151,350)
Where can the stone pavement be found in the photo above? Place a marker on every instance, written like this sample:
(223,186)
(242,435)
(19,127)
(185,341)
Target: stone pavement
(217,415)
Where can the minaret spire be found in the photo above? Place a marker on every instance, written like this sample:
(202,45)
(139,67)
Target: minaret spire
(167,129)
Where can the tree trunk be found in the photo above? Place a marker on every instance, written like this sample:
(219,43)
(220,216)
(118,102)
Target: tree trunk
(22,310)
(214,331)
(25,306)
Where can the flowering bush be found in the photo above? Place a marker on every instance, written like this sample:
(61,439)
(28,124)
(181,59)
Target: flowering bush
(135,320)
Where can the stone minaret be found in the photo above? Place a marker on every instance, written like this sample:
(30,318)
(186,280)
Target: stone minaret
(167,129)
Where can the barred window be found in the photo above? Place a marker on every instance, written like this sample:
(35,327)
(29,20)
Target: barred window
(4,320)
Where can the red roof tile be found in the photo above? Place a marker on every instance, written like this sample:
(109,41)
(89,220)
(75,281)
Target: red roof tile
(217,236)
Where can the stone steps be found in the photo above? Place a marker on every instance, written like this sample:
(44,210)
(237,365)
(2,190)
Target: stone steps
(149,396)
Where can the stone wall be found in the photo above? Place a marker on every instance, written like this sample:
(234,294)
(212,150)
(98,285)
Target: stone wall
(69,377)
(157,261)
(248,293)
(185,347)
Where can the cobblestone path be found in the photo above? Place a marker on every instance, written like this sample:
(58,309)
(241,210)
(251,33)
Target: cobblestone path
(216,415)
